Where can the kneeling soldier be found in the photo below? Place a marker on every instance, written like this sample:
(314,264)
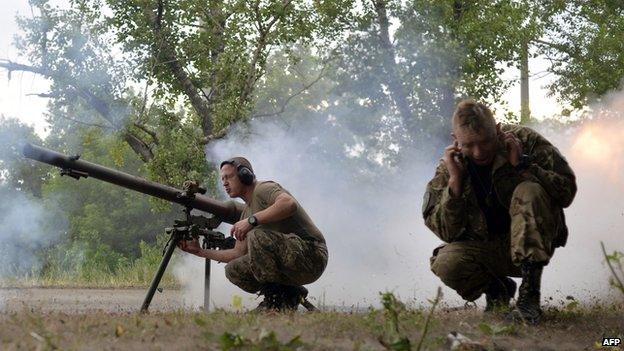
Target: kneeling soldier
(497,200)
(278,247)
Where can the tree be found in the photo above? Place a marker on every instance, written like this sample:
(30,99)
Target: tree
(116,217)
(207,55)
(16,173)
(440,52)
(584,45)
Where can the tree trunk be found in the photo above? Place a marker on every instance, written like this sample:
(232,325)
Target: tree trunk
(525,112)
(398,92)
(176,68)
(102,107)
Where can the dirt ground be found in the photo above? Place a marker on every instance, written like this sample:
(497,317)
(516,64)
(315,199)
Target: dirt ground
(86,300)
(97,319)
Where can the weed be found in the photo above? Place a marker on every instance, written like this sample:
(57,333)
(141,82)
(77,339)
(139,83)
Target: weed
(495,330)
(393,310)
(434,303)
(94,265)
(393,339)
(266,341)
(615,263)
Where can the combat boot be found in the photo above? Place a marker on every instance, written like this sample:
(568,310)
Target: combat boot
(528,305)
(293,296)
(499,293)
(272,298)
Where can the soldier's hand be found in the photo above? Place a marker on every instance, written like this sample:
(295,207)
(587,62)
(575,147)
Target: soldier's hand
(453,160)
(190,246)
(240,229)
(189,184)
(513,146)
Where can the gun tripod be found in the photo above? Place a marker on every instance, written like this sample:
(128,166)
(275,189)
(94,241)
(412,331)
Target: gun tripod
(192,227)
(189,229)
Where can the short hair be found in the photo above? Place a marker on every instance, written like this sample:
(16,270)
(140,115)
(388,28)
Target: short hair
(237,161)
(473,115)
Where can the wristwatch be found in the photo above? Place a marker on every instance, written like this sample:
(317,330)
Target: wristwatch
(253,220)
(524,164)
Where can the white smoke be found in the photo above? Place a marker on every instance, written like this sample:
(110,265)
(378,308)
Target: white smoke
(374,229)
(27,227)
(593,150)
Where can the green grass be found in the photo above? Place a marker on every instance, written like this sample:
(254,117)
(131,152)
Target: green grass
(95,266)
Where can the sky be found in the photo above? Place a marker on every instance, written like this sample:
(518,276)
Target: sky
(15,101)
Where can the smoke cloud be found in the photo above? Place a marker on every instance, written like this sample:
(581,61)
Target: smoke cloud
(28,225)
(597,213)
(373,225)
(21,221)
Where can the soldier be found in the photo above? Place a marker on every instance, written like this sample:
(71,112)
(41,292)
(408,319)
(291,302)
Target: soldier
(497,200)
(278,247)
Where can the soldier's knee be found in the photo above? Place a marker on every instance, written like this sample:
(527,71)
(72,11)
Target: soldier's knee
(258,239)
(448,265)
(529,191)
(231,273)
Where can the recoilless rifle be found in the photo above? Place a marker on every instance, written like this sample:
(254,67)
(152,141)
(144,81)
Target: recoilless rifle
(191,197)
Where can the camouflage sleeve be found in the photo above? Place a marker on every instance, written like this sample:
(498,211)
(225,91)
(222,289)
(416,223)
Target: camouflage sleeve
(443,214)
(551,170)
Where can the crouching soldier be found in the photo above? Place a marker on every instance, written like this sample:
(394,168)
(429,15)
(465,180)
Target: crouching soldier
(278,247)
(497,200)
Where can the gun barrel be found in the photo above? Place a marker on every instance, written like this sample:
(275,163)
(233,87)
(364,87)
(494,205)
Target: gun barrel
(226,211)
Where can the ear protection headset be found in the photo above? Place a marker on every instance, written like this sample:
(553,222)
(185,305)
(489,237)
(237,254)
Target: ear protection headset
(243,172)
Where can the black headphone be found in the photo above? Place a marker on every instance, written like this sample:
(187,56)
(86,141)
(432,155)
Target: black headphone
(243,172)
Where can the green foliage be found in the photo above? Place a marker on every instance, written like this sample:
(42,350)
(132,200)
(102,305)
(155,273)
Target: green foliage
(178,156)
(496,330)
(89,263)
(400,92)
(266,341)
(393,308)
(120,217)
(18,173)
(205,66)
(85,232)
(571,306)
(229,341)
(86,257)
(586,50)
(615,262)
(397,319)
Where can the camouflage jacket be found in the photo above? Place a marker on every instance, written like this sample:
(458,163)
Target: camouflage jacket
(458,219)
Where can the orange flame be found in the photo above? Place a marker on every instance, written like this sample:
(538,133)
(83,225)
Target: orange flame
(598,148)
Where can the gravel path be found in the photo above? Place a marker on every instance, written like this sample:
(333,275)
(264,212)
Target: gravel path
(83,300)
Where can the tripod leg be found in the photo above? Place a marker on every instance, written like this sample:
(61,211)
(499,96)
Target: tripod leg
(159,273)
(207,287)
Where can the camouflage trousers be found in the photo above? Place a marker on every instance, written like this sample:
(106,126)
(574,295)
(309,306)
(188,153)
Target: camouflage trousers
(274,257)
(468,267)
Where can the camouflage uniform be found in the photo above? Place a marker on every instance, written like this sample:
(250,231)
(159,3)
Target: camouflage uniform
(289,252)
(472,256)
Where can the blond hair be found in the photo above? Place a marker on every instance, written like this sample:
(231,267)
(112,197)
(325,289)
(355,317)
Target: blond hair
(473,115)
